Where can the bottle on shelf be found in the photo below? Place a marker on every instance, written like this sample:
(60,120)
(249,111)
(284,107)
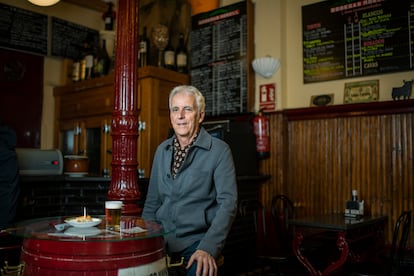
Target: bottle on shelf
(144,47)
(101,67)
(76,70)
(82,72)
(87,59)
(181,55)
(88,65)
(106,65)
(169,56)
(109,17)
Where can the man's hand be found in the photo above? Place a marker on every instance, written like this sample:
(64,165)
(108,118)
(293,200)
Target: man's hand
(206,264)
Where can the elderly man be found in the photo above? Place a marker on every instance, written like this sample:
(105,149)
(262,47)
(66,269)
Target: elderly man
(192,186)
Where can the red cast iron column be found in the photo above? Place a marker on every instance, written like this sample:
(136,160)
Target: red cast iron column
(124,181)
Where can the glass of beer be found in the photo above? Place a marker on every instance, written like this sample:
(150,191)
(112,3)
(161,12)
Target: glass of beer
(113,211)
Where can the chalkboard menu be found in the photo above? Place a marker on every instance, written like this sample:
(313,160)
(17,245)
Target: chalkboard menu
(221,53)
(353,38)
(68,38)
(23,30)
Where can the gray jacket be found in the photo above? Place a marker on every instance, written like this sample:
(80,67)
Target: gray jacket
(200,204)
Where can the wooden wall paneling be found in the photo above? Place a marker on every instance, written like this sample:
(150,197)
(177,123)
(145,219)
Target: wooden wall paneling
(274,165)
(409,168)
(396,194)
(383,203)
(319,155)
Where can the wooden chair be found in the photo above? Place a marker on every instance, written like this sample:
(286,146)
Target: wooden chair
(392,265)
(276,233)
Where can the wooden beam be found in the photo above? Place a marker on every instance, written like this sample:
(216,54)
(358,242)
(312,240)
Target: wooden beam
(97,5)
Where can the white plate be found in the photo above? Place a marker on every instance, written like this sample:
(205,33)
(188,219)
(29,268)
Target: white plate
(74,223)
(79,174)
(82,232)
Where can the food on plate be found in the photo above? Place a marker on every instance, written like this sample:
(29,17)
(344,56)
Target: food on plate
(84,218)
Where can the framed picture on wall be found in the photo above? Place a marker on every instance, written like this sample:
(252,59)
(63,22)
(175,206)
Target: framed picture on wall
(361,91)
(322,100)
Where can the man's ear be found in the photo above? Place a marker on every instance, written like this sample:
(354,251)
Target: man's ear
(201,117)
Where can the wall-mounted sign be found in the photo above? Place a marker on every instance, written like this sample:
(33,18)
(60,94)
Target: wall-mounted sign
(322,100)
(221,53)
(267,97)
(353,38)
(68,38)
(361,91)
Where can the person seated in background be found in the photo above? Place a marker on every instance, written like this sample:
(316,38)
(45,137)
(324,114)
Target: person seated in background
(9,176)
(192,187)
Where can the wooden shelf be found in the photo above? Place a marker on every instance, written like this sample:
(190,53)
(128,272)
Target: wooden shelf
(350,110)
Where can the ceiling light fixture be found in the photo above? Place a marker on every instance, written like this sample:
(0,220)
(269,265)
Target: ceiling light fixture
(43,3)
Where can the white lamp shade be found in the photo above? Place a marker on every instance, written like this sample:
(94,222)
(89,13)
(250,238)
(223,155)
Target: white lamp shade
(43,2)
(266,66)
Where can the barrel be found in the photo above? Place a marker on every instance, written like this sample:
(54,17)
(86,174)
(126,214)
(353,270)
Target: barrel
(43,257)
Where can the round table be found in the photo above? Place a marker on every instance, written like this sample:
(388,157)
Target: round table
(53,247)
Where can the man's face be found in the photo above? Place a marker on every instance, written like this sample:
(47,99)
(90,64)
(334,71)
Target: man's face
(183,115)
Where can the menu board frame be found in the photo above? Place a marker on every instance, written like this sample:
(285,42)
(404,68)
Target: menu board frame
(68,38)
(355,38)
(28,31)
(222,49)
(23,30)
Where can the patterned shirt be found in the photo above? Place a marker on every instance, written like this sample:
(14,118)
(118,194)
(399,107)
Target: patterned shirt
(179,155)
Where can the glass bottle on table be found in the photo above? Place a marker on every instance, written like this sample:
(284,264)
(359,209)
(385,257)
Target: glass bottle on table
(181,55)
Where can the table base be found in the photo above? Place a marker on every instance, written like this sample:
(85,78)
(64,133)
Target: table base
(49,257)
(342,245)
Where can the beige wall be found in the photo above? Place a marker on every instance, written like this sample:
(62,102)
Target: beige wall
(278,33)
(53,75)
(298,94)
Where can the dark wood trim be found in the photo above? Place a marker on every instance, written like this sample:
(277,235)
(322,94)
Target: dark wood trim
(97,5)
(350,110)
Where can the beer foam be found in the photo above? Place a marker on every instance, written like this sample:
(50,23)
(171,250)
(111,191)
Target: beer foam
(113,204)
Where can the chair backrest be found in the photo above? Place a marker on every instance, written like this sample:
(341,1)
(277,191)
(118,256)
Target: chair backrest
(282,211)
(399,241)
(282,208)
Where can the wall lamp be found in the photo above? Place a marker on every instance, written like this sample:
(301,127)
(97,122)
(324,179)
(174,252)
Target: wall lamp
(43,2)
(266,66)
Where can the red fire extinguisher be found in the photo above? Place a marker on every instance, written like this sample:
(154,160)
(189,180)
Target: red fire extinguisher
(261,130)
